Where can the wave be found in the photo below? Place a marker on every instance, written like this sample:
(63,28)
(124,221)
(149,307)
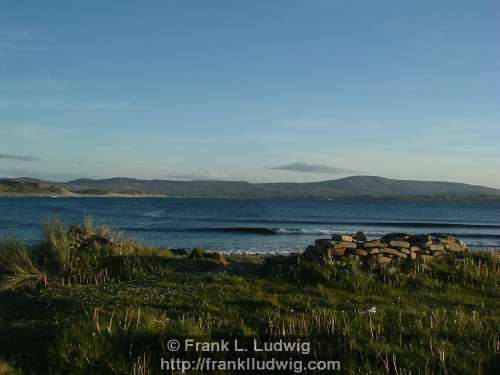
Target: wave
(158,213)
(397,224)
(286,231)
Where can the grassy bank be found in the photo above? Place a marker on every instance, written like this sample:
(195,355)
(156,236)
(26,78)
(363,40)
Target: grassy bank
(88,301)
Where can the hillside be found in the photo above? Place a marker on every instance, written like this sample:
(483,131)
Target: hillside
(15,186)
(355,186)
(345,187)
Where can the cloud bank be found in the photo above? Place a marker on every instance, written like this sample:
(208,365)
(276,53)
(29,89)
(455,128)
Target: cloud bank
(18,157)
(208,175)
(313,168)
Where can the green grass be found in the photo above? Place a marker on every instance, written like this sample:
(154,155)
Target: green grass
(111,310)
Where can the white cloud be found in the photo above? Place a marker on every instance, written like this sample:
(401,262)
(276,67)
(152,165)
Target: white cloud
(313,168)
(207,175)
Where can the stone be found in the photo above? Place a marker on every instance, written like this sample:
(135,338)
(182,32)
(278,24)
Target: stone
(361,253)
(393,252)
(445,240)
(341,237)
(455,247)
(374,243)
(324,242)
(360,236)
(395,237)
(399,244)
(393,247)
(435,247)
(422,245)
(337,252)
(419,238)
(345,244)
(442,236)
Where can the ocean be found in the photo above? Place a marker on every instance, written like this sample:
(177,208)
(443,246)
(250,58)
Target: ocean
(253,225)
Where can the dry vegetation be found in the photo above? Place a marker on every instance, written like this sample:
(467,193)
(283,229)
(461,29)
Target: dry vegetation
(87,300)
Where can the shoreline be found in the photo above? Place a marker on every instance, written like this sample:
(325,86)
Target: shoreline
(484,199)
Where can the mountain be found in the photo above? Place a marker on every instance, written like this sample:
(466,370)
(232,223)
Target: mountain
(355,186)
(30,186)
(344,187)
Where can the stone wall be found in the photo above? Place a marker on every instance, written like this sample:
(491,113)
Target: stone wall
(392,247)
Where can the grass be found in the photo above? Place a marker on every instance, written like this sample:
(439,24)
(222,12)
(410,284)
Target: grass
(109,307)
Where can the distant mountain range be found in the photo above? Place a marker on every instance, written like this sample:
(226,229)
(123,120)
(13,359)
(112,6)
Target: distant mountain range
(355,186)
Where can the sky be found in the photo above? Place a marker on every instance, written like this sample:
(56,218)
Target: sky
(251,90)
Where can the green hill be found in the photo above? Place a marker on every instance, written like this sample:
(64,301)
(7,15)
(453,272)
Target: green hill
(354,186)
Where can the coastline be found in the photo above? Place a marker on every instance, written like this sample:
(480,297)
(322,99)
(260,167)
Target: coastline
(76,195)
(243,197)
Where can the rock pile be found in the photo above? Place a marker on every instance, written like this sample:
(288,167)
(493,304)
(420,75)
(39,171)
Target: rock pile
(389,248)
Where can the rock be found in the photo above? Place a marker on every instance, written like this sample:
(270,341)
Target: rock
(324,242)
(374,243)
(455,247)
(442,236)
(419,238)
(341,237)
(337,252)
(361,253)
(435,247)
(360,236)
(393,252)
(446,240)
(395,237)
(344,244)
(399,244)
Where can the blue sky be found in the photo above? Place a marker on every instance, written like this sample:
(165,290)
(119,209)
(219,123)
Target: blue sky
(233,89)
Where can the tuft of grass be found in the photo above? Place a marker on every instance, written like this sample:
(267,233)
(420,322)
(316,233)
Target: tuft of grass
(17,269)
(201,254)
(60,245)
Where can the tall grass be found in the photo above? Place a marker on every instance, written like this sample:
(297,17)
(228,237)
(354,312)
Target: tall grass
(60,245)
(17,269)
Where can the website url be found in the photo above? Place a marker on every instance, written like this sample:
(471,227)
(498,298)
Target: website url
(247,364)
